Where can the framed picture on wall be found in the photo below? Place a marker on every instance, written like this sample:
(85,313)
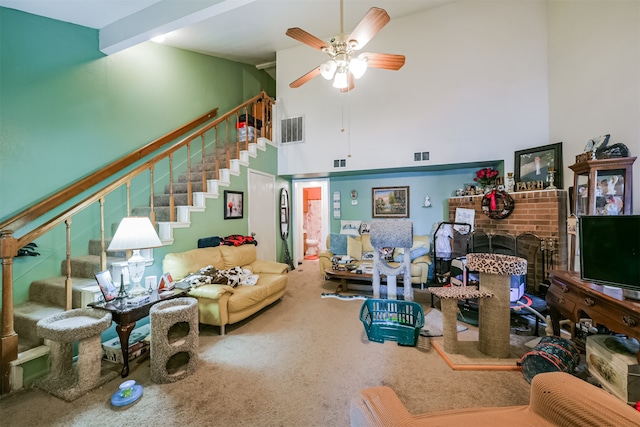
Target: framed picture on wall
(390,202)
(534,164)
(233,204)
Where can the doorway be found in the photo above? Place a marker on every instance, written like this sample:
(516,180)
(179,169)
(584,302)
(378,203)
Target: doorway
(262,217)
(311,215)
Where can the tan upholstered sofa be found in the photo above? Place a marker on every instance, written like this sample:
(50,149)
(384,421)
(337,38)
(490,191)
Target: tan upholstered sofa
(357,245)
(220,305)
(557,399)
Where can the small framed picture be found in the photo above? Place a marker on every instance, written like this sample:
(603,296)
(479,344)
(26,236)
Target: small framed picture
(535,164)
(166,282)
(390,202)
(233,204)
(108,288)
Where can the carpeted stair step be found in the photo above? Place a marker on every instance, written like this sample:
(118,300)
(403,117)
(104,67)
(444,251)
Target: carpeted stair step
(195,176)
(86,265)
(163,200)
(181,187)
(26,317)
(162,212)
(51,291)
(95,248)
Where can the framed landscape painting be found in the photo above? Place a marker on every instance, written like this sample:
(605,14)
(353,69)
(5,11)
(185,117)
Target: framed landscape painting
(390,202)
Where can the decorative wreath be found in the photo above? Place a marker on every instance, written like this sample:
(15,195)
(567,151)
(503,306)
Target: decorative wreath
(497,204)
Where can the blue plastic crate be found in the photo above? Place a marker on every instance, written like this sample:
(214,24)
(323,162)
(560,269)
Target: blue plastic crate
(392,320)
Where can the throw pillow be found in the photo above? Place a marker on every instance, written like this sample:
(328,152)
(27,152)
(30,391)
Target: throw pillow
(350,227)
(338,244)
(415,253)
(354,248)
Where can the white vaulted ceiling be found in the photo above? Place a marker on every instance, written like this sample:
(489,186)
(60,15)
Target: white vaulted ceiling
(248,31)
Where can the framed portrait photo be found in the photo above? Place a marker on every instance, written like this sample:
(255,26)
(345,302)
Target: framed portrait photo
(390,202)
(233,204)
(534,164)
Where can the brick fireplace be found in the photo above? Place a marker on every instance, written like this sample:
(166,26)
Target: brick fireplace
(542,213)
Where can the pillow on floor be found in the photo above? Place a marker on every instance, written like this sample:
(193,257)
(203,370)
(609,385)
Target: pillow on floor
(338,244)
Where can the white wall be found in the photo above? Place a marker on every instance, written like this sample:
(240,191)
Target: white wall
(474,88)
(594,84)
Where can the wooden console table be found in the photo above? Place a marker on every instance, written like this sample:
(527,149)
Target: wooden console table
(572,298)
(125,317)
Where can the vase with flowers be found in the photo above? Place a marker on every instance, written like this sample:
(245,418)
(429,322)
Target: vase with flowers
(486,178)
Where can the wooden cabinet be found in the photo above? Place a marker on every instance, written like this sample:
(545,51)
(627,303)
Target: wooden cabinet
(572,298)
(603,186)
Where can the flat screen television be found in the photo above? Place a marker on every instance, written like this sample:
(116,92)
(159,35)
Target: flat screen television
(610,251)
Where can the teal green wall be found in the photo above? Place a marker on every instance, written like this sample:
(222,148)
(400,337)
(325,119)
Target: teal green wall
(67,110)
(439,185)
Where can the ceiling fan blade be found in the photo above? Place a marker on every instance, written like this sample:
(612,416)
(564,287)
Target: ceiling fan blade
(302,80)
(351,83)
(368,27)
(386,61)
(309,39)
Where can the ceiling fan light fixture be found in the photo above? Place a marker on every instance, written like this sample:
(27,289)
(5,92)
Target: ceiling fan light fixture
(358,66)
(340,82)
(328,69)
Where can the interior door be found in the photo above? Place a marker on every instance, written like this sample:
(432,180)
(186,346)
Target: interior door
(262,213)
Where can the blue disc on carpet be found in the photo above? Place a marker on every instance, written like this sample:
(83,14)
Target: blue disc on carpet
(128,393)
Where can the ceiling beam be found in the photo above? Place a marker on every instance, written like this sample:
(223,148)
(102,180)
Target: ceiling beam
(161,18)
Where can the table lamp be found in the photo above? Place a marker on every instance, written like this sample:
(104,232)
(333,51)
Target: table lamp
(135,233)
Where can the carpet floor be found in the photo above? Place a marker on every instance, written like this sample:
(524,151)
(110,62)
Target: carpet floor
(296,363)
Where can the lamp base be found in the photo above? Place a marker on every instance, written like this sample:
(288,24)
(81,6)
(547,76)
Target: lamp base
(137,290)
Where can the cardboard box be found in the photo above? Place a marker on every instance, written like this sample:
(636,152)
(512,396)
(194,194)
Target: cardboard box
(616,369)
(112,351)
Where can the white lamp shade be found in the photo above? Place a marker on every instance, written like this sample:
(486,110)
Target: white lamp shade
(358,66)
(134,232)
(328,69)
(340,81)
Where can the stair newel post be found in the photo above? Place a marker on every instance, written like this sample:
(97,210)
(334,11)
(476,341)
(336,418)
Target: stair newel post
(189,188)
(9,338)
(204,170)
(68,282)
(172,214)
(215,154)
(103,252)
(152,214)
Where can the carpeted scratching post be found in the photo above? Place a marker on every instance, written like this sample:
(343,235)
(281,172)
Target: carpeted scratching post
(174,339)
(494,314)
(60,330)
(449,306)
(392,234)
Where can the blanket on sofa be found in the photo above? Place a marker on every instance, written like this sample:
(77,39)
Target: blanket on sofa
(232,277)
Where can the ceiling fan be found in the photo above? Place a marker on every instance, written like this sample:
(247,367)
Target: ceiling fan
(344,64)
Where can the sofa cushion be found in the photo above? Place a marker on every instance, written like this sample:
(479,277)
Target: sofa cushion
(246,296)
(338,244)
(180,264)
(354,248)
(237,256)
(366,243)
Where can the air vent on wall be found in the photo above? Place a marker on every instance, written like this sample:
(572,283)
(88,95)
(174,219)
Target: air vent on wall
(292,130)
(340,163)
(419,157)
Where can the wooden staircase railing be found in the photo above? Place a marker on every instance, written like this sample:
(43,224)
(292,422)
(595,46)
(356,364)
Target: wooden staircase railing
(259,107)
